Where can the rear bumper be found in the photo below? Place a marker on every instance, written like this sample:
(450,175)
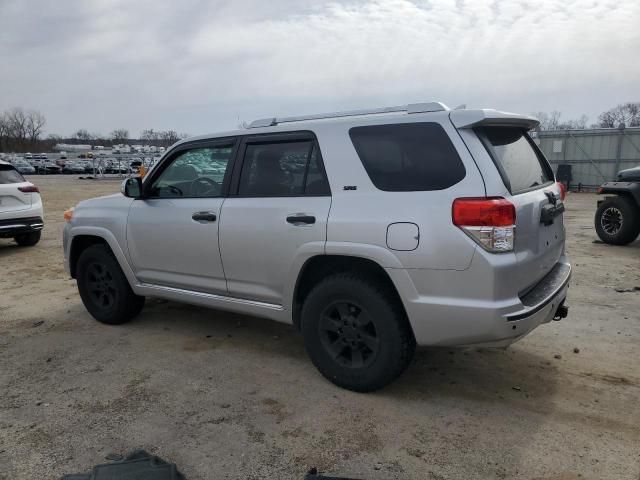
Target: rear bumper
(455,321)
(18,226)
(544,292)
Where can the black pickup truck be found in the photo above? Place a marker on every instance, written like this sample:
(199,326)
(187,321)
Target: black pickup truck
(618,216)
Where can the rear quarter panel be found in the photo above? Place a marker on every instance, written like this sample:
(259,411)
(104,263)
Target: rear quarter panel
(360,217)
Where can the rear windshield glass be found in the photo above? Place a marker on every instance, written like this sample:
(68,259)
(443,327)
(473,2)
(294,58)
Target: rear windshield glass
(408,156)
(521,166)
(8,174)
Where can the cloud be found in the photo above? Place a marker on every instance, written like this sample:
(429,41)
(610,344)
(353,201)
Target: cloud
(199,65)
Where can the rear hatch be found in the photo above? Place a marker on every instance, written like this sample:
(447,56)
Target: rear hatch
(11,198)
(539,232)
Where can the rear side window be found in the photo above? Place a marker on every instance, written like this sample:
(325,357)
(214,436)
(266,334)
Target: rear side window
(282,169)
(521,166)
(8,174)
(408,156)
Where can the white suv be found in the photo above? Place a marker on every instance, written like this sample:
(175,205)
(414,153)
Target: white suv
(372,231)
(20,207)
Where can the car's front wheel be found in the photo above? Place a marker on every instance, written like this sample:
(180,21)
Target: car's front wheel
(103,287)
(356,332)
(617,221)
(28,239)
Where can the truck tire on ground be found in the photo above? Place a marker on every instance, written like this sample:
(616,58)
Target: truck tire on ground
(104,289)
(617,221)
(356,332)
(28,239)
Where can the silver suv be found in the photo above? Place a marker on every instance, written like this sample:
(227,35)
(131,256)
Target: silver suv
(371,231)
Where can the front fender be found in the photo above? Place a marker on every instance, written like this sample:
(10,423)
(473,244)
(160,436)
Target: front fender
(111,240)
(631,189)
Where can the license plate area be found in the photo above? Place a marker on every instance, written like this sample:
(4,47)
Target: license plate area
(550,235)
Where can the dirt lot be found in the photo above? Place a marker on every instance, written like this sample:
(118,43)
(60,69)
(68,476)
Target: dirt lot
(228,396)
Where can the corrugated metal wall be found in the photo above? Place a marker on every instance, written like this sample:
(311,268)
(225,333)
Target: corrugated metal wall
(595,155)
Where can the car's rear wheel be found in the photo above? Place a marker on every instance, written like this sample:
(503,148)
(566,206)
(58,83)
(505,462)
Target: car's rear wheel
(356,332)
(617,221)
(28,239)
(103,287)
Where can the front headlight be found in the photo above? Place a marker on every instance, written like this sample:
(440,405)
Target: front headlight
(68,214)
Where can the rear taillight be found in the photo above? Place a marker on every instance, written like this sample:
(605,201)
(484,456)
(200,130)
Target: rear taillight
(563,190)
(29,189)
(491,222)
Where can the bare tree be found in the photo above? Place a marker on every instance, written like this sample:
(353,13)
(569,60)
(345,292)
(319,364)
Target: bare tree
(548,121)
(551,121)
(83,135)
(578,124)
(34,126)
(4,131)
(20,129)
(168,137)
(119,135)
(625,114)
(17,124)
(149,134)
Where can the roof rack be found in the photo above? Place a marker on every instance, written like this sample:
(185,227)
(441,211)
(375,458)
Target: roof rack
(409,108)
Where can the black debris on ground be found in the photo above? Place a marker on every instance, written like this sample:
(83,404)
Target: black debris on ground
(138,464)
(314,475)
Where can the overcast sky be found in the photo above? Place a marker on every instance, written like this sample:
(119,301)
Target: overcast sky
(198,66)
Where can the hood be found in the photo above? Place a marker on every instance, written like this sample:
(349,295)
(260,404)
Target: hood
(113,200)
(629,175)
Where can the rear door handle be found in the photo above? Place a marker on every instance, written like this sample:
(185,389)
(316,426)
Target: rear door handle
(204,216)
(301,219)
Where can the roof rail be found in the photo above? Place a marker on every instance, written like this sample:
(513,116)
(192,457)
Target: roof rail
(409,108)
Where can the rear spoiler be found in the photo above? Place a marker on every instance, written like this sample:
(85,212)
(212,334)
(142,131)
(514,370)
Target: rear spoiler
(490,118)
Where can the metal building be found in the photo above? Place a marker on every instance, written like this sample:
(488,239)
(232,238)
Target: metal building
(594,155)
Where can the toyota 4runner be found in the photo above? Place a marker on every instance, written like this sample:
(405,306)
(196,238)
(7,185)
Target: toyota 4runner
(371,231)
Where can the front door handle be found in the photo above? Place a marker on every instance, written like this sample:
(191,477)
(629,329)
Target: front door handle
(204,216)
(301,219)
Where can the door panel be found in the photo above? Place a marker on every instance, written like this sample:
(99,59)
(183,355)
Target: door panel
(168,247)
(279,206)
(172,234)
(258,244)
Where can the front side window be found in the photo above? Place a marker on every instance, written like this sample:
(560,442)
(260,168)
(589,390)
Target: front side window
(282,169)
(513,151)
(408,157)
(195,173)
(9,174)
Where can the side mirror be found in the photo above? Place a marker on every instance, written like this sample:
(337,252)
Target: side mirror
(132,187)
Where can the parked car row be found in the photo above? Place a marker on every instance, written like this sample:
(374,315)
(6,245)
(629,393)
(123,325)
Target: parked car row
(35,156)
(31,164)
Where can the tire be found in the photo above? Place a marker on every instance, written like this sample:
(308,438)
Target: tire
(104,289)
(376,327)
(28,239)
(617,221)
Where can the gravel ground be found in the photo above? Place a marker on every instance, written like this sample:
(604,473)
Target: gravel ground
(228,396)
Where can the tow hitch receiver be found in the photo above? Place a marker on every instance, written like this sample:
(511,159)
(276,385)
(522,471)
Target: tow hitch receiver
(561,312)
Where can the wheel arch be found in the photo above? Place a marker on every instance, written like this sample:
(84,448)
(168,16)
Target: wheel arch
(84,237)
(319,267)
(630,190)
(79,244)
